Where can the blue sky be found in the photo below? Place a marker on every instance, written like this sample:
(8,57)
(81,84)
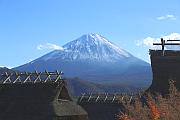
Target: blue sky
(131,24)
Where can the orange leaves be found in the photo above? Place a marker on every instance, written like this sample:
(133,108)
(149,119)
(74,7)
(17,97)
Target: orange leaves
(154,106)
(122,116)
(155,114)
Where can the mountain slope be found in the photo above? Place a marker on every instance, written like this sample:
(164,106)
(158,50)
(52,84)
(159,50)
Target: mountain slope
(77,86)
(92,57)
(89,47)
(5,69)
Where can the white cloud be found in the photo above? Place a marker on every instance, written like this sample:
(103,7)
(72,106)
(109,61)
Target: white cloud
(148,41)
(5,66)
(49,46)
(167,17)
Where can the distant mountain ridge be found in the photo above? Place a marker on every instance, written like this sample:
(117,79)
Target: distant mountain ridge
(3,70)
(77,86)
(94,58)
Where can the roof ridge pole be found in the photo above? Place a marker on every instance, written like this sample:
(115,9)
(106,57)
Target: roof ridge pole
(17,79)
(48,76)
(89,97)
(106,97)
(38,77)
(28,77)
(58,77)
(163,44)
(97,98)
(82,97)
(8,78)
(113,98)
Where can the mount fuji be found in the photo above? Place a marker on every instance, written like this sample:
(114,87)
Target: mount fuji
(94,59)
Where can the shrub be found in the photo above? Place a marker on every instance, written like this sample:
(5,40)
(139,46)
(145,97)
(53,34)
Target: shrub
(155,107)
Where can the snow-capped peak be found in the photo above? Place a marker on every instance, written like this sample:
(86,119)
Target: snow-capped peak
(91,47)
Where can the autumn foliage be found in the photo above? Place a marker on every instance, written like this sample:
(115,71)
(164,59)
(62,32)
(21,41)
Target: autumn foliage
(155,114)
(155,107)
(122,116)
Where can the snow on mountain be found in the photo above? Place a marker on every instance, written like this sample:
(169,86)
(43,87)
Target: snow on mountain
(90,47)
(93,58)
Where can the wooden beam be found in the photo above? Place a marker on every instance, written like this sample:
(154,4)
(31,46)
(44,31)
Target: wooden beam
(113,98)
(8,80)
(97,98)
(38,79)
(82,97)
(17,79)
(106,97)
(89,97)
(173,40)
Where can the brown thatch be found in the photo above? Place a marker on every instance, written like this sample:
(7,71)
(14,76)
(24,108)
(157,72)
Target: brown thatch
(104,106)
(165,66)
(40,100)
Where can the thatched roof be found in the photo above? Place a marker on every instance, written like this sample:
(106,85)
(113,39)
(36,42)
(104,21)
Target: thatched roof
(45,99)
(67,108)
(165,66)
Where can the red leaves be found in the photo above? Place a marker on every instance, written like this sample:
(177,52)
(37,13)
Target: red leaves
(155,114)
